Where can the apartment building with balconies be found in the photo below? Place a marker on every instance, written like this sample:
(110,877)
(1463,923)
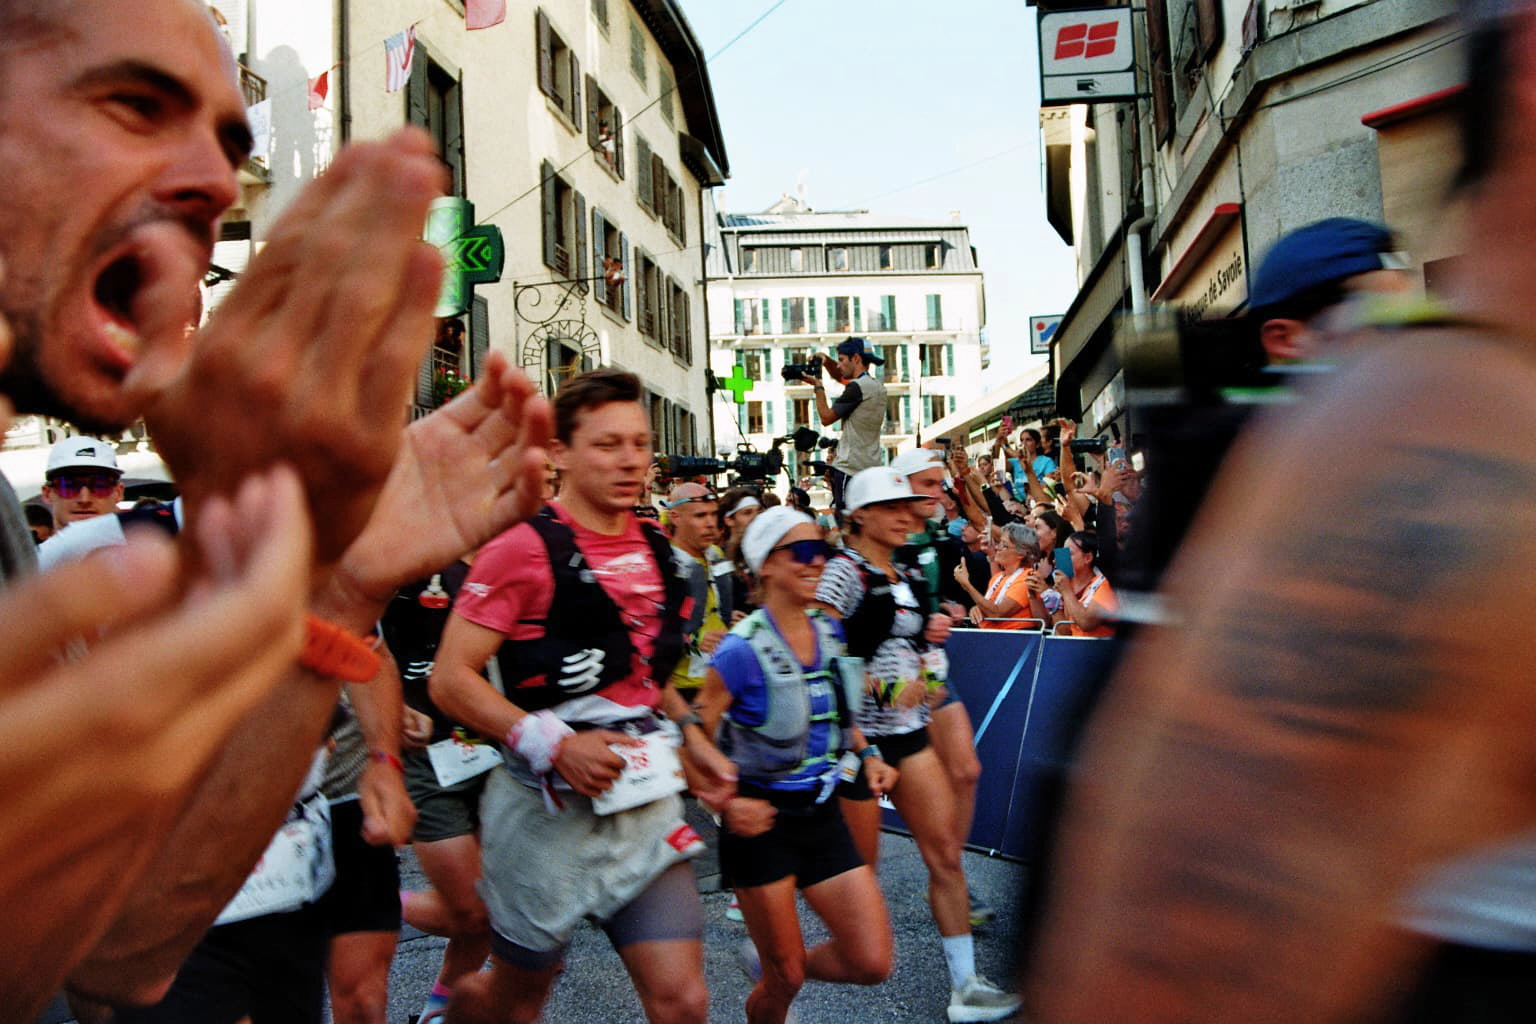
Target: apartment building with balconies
(791,281)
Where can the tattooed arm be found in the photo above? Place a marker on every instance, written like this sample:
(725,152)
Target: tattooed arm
(1348,703)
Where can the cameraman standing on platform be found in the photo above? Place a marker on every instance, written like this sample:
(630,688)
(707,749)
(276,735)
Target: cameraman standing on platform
(860,409)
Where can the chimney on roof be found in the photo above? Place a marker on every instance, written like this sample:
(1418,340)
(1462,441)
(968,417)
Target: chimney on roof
(954,217)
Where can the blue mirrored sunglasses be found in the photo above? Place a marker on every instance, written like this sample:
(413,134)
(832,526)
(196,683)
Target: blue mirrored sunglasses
(806,551)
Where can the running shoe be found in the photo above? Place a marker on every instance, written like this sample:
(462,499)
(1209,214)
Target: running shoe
(752,966)
(747,959)
(733,912)
(978,1000)
(981,910)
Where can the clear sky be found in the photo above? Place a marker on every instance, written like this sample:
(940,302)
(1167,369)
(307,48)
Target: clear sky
(863,101)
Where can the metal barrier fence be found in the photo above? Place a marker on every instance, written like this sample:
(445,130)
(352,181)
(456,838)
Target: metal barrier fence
(1027,693)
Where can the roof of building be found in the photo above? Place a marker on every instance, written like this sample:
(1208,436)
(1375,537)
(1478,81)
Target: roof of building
(1037,401)
(675,37)
(830,220)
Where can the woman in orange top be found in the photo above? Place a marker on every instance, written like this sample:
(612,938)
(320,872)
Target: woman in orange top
(1014,592)
(1087,600)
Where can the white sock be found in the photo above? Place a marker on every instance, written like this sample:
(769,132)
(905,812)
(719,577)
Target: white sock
(960,954)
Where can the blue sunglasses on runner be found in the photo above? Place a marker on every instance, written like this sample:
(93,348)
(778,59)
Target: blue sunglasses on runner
(805,551)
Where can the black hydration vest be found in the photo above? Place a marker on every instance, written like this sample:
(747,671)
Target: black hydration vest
(870,624)
(586,646)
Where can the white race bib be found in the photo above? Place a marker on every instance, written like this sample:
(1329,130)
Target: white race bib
(454,761)
(297,867)
(651,772)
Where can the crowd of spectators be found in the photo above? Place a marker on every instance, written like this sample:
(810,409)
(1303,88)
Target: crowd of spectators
(1042,528)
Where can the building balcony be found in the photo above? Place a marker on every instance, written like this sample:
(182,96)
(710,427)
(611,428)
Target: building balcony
(255,170)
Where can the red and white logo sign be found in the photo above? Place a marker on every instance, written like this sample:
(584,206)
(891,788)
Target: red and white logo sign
(1077,42)
(1081,39)
(1087,56)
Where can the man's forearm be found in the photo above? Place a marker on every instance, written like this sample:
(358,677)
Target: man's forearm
(212,845)
(380,706)
(824,408)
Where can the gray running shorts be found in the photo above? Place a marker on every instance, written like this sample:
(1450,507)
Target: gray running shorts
(543,873)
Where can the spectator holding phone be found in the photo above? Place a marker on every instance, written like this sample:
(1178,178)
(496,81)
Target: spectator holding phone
(1087,600)
(1014,594)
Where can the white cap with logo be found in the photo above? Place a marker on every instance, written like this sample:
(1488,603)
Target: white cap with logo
(880,484)
(915,460)
(767,530)
(82,453)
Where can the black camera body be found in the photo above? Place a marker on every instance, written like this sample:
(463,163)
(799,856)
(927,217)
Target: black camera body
(1087,445)
(748,465)
(792,372)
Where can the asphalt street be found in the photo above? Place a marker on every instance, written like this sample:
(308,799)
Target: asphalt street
(595,990)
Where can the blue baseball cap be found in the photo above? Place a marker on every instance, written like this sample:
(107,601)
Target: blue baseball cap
(1317,254)
(860,347)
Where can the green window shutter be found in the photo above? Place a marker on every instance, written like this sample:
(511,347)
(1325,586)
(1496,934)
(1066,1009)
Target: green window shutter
(618,141)
(858,317)
(935,313)
(765,317)
(951,404)
(768,412)
(810,306)
(578,271)
(548,199)
(741,322)
(906,411)
(904,370)
(783,316)
(767,364)
(592,116)
(644,176)
(949,360)
(888,313)
(831,314)
(741,417)
(628,273)
(479,335)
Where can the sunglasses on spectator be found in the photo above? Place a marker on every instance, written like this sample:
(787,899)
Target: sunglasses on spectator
(806,551)
(70,485)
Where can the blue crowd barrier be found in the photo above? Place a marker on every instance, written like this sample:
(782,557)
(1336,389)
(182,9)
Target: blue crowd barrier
(1026,694)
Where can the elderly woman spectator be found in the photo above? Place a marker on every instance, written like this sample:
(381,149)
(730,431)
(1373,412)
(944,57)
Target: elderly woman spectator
(1014,593)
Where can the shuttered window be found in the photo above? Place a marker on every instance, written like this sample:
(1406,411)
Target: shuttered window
(1162,71)
(637,50)
(644,182)
(605,128)
(559,70)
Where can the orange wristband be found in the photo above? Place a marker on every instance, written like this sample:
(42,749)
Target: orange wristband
(336,653)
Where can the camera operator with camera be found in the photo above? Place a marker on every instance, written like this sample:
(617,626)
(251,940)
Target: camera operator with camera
(860,408)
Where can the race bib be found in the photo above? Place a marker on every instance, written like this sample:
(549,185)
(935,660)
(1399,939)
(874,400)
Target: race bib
(651,772)
(455,760)
(297,867)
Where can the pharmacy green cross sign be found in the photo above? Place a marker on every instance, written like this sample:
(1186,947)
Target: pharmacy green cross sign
(738,384)
(471,255)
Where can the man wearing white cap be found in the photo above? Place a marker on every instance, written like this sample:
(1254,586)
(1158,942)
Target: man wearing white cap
(934,553)
(83,480)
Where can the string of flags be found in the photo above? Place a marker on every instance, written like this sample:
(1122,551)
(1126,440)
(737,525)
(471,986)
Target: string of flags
(399,54)
(400,50)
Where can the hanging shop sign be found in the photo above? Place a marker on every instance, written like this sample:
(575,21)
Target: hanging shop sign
(1087,56)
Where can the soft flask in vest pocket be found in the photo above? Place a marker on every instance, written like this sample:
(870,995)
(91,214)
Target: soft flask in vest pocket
(853,674)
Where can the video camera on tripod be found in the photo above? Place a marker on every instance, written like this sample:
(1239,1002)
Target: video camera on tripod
(748,464)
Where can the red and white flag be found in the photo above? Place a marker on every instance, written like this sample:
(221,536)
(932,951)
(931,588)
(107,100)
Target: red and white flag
(318,87)
(484,13)
(398,51)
